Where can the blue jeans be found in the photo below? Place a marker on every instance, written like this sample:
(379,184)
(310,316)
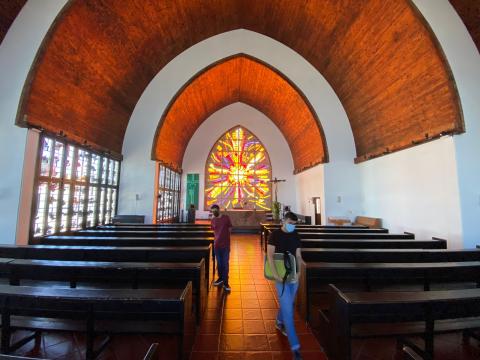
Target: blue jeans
(285,313)
(223,257)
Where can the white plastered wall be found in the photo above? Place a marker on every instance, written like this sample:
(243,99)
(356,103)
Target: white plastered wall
(415,190)
(261,126)
(464,60)
(17,52)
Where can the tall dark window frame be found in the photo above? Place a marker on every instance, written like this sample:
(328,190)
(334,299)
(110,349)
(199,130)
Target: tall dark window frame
(75,187)
(167,194)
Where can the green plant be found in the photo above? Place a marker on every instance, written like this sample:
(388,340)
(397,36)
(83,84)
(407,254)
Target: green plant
(276,206)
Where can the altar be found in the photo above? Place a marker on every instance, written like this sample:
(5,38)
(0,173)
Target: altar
(246,219)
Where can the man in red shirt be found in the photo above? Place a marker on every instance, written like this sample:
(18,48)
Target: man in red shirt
(221,226)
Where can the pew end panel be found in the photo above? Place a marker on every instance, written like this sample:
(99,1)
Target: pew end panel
(302,293)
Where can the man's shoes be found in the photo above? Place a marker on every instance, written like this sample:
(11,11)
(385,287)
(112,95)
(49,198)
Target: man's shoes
(227,288)
(218,282)
(297,355)
(280,327)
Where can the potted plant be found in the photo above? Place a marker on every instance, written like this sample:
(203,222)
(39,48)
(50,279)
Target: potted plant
(276,206)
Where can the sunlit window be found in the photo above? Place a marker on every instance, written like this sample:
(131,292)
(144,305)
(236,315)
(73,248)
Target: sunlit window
(238,172)
(168,195)
(76,188)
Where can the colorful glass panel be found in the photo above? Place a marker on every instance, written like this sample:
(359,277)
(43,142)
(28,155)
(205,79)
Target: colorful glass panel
(58,159)
(46,157)
(65,208)
(238,172)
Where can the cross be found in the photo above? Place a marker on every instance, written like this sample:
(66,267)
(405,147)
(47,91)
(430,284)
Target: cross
(275,181)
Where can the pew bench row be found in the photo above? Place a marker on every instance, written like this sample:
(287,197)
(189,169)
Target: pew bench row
(97,312)
(361,315)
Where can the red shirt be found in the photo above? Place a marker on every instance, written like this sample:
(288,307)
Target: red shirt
(221,228)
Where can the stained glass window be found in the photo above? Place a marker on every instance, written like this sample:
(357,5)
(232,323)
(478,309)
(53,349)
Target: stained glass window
(238,172)
(76,188)
(168,195)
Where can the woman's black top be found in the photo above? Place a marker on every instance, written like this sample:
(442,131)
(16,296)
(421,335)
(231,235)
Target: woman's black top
(284,241)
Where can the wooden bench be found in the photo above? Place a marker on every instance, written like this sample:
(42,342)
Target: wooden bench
(128,242)
(153,352)
(95,312)
(387,255)
(149,233)
(118,219)
(315,277)
(110,253)
(373,223)
(163,225)
(401,315)
(153,228)
(354,234)
(11,357)
(113,274)
(374,244)
(81,240)
(265,229)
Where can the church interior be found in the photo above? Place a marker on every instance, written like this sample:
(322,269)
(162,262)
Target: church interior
(123,125)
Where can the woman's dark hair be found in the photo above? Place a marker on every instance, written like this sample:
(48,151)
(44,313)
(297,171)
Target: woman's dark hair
(215,207)
(290,215)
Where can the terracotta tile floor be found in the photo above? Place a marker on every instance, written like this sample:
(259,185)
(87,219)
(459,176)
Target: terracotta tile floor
(240,326)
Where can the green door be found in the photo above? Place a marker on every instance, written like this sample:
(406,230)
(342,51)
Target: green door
(192,190)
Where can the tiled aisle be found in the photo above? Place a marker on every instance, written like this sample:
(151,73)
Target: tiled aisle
(241,325)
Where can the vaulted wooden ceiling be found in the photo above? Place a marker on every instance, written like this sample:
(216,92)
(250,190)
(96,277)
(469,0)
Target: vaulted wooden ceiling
(241,79)
(378,55)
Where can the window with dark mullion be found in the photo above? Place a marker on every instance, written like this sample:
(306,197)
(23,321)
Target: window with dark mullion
(75,187)
(168,193)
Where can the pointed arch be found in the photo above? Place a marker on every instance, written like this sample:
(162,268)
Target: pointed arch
(241,78)
(238,172)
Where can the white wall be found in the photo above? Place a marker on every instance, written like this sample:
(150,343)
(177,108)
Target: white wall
(24,217)
(416,190)
(464,61)
(138,171)
(309,184)
(17,52)
(261,126)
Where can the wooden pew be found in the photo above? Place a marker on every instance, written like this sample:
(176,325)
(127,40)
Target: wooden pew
(363,276)
(152,353)
(152,228)
(401,315)
(360,234)
(11,357)
(357,235)
(374,244)
(163,225)
(132,274)
(127,242)
(388,256)
(110,253)
(81,240)
(266,228)
(96,312)
(150,233)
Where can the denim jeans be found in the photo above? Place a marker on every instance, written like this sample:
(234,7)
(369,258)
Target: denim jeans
(223,257)
(286,311)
